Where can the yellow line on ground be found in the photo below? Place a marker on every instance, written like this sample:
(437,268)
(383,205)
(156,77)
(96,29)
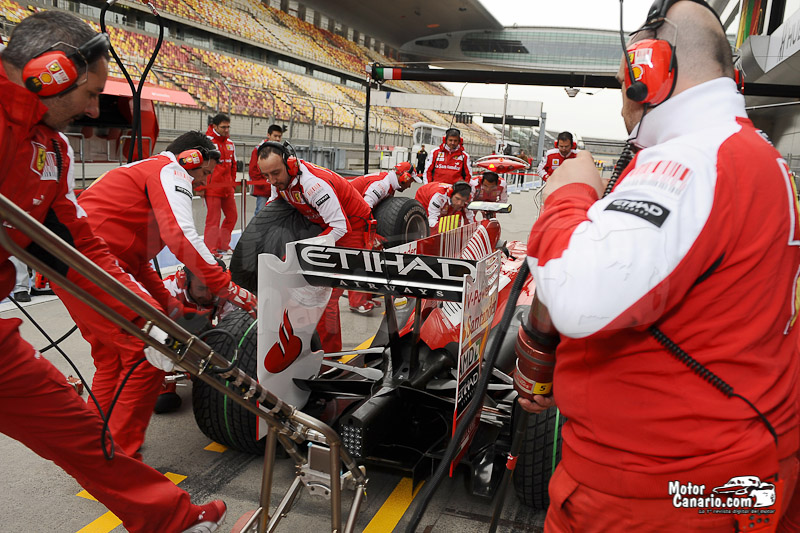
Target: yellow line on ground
(109,521)
(216,447)
(365,344)
(395,506)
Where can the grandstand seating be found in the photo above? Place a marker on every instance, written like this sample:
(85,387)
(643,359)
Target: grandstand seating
(222,82)
(13,12)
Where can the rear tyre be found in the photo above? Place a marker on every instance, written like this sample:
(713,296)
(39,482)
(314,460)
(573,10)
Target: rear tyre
(277,224)
(218,417)
(401,220)
(541,452)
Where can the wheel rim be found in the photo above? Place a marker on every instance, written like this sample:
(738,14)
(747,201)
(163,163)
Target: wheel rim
(417,228)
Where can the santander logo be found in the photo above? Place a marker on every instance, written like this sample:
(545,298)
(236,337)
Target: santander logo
(284,352)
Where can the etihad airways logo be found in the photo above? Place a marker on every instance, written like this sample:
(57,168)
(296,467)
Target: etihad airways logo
(649,211)
(385,272)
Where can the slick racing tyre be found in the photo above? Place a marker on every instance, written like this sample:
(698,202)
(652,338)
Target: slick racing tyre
(541,452)
(218,417)
(277,224)
(401,220)
(269,231)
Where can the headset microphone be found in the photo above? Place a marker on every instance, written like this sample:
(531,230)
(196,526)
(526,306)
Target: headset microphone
(637,90)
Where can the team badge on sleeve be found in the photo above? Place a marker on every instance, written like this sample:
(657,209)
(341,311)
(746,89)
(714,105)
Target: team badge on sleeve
(650,211)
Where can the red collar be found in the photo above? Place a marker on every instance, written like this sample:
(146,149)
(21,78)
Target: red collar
(211,132)
(21,106)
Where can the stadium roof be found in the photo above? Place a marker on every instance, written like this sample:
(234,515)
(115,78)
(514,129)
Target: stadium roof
(396,23)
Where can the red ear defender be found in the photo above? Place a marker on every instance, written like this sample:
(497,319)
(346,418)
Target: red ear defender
(292,166)
(574,145)
(738,77)
(191,159)
(653,64)
(50,73)
(180,278)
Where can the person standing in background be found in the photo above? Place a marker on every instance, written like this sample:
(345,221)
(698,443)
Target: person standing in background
(219,191)
(261,187)
(422,155)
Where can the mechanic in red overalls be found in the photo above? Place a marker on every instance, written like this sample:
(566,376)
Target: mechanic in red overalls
(489,187)
(441,199)
(261,187)
(566,148)
(138,209)
(219,191)
(327,199)
(658,293)
(449,163)
(37,407)
(379,186)
(193,295)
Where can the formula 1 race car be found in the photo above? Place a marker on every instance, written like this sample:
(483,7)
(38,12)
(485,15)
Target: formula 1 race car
(394,403)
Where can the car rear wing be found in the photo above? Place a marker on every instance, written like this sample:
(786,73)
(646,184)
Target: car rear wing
(432,268)
(384,272)
(494,207)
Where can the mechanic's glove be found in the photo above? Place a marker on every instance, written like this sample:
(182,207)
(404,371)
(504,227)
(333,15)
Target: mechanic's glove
(175,309)
(155,357)
(241,298)
(195,321)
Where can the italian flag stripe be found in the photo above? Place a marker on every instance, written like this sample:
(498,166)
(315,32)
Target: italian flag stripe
(390,73)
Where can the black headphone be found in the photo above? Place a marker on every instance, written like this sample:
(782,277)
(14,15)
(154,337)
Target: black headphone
(461,187)
(453,132)
(288,154)
(54,72)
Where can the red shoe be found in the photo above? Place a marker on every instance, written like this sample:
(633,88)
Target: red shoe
(363,309)
(211,516)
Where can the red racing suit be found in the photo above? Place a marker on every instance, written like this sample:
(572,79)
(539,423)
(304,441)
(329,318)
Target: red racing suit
(223,180)
(687,242)
(435,198)
(137,209)
(327,199)
(376,187)
(447,166)
(261,186)
(219,197)
(500,193)
(37,407)
(551,161)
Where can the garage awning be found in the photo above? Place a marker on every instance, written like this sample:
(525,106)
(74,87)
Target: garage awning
(150,91)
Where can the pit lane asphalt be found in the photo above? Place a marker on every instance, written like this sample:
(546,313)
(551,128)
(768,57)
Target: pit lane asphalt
(40,498)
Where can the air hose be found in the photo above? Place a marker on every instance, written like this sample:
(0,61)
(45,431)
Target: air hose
(136,91)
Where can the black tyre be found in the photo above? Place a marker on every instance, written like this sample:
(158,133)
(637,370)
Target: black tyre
(401,220)
(218,417)
(540,454)
(275,225)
